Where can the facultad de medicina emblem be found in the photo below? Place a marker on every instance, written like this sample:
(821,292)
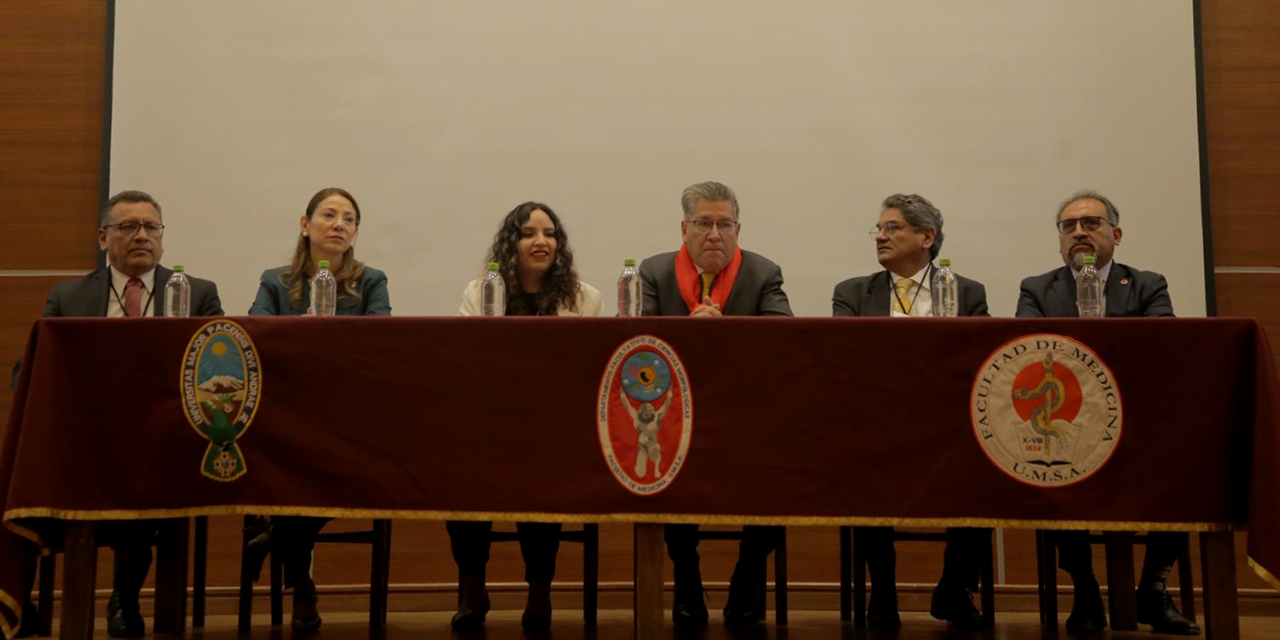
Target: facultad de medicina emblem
(1046,409)
(221,390)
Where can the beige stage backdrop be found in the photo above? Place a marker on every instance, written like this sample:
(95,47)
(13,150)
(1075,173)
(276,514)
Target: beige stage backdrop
(441,116)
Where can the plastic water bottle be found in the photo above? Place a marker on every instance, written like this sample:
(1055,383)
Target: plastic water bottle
(1089,290)
(493,293)
(177,294)
(324,292)
(944,291)
(629,290)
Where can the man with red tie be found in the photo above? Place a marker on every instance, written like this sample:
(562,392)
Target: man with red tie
(711,277)
(132,285)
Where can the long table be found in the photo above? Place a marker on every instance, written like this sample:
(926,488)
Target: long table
(790,421)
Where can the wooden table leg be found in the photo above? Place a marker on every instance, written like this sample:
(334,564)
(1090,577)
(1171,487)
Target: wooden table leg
(172,548)
(199,566)
(79,576)
(650,556)
(1218,568)
(1124,602)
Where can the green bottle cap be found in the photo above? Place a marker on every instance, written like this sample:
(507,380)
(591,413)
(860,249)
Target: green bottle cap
(324,264)
(1090,260)
(629,262)
(944,262)
(493,266)
(177,268)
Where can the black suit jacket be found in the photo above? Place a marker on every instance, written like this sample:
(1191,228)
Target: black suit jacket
(872,296)
(87,297)
(756,292)
(1130,293)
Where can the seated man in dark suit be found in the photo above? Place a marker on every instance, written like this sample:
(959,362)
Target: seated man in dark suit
(132,285)
(908,238)
(1089,225)
(711,277)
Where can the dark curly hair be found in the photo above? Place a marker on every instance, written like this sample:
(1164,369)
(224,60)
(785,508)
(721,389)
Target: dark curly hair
(560,283)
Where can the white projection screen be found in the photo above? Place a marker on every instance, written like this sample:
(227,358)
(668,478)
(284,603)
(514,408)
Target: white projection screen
(441,116)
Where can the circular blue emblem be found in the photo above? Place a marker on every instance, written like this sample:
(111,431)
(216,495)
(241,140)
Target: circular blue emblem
(645,376)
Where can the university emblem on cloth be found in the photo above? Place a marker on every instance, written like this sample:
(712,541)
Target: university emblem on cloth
(645,415)
(1047,410)
(221,390)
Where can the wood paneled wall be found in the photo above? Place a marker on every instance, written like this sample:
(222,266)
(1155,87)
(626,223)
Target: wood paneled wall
(51,107)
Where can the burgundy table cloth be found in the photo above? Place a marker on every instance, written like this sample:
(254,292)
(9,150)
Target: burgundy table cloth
(752,420)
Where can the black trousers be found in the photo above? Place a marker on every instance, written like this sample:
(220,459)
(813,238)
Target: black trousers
(961,561)
(1075,555)
(753,552)
(294,538)
(130,542)
(539,544)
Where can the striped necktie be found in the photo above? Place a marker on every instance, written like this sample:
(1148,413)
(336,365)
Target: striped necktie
(133,298)
(903,299)
(707,279)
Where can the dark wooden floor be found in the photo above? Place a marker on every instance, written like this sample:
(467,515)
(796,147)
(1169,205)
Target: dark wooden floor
(804,625)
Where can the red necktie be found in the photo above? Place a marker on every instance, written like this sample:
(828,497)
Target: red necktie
(133,298)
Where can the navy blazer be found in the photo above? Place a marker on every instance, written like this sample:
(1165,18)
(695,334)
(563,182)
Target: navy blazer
(88,296)
(871,296)
(757,291)
(1130,293)
(273,296)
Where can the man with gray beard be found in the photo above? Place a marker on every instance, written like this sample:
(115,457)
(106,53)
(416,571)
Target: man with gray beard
(1089,225)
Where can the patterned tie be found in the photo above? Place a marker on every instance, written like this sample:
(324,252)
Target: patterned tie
(904,287)
(133,298)
(707,279)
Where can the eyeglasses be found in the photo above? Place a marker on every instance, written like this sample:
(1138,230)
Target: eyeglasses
(889,229)
(703,227)
(131,228)
(1090,223)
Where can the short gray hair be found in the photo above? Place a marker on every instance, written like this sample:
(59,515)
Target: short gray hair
(1113,214)
(920,214)
(126,196)
(709,191)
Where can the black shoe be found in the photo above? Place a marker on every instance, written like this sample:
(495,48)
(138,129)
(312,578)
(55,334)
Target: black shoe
(1087,613)
(690,608)
(306,618)
(883,620)
(124,619)
(882,611)
(740,611)
(956,607)
(1155,607)
(30,625)
(473,604)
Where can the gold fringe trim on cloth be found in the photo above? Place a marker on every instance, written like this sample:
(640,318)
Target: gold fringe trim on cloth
(659,518)
(8,602)
(1264,574)
(25,533)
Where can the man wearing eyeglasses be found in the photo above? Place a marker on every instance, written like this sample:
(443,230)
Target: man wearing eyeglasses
(132,284)
(1088,224)
(710,277)
(908,237)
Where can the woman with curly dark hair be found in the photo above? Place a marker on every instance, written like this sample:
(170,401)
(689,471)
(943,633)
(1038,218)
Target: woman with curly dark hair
(532,251)
(533,255)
